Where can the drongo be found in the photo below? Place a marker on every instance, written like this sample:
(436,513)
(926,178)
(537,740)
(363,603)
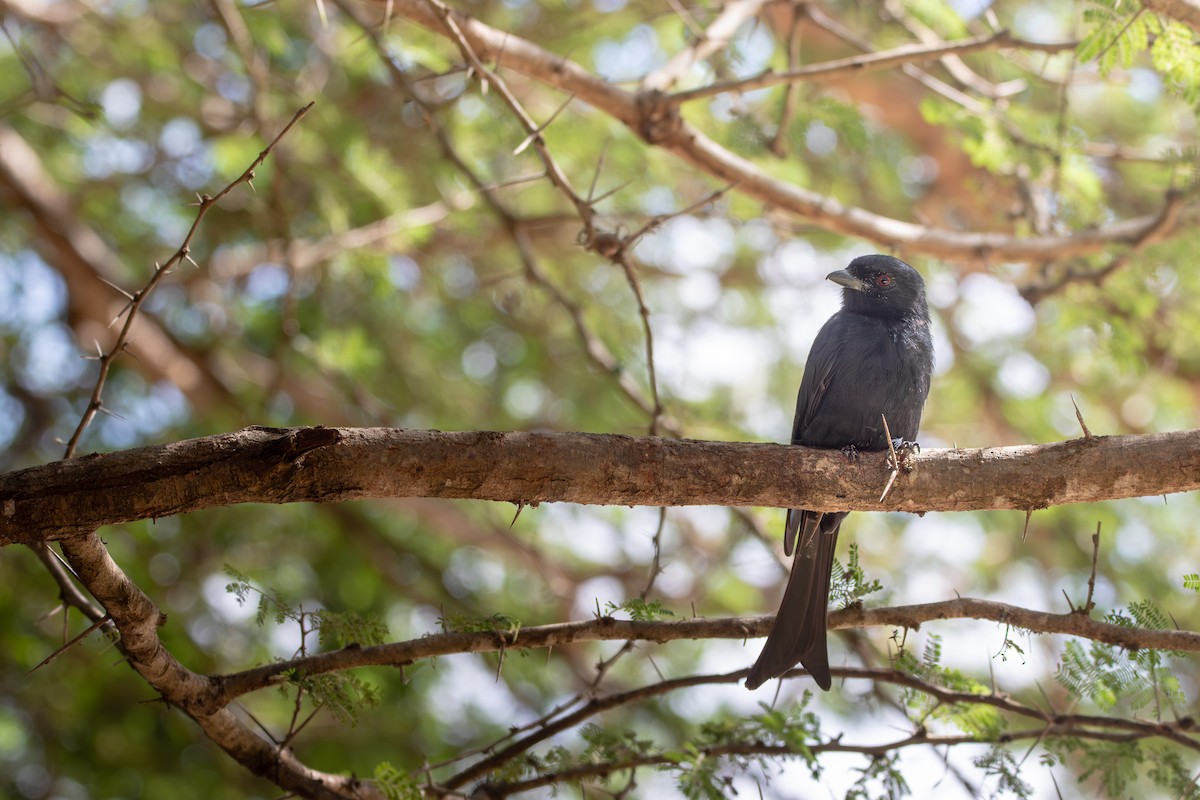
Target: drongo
(871,360)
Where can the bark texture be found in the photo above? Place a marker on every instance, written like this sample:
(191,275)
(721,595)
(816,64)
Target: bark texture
(286,465)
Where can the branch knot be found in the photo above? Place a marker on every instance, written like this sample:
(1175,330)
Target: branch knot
(658,119)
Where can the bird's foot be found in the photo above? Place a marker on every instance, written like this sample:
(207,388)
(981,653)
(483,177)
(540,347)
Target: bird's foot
(850,452)
(904,450)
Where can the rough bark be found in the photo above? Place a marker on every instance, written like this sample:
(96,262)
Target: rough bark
(286,465)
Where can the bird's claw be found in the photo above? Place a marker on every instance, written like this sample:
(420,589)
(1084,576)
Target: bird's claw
(904,449)
(850,452)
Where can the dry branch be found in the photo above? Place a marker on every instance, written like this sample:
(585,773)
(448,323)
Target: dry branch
(287,465)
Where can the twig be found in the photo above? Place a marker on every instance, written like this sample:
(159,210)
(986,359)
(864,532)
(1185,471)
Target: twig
(1167,220)
(870,62)
(608,629)
(1089,605)
(690,144)
(161,271)
(555,172)
(716,37)
(791,94)
(957,68)
(1077,725)
(656,413)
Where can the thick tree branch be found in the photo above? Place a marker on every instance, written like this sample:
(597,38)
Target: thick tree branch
(289,465)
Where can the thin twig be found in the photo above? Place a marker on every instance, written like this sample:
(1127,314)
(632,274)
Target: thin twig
(1090,604)
(870,62)
(161,271)
(98,623)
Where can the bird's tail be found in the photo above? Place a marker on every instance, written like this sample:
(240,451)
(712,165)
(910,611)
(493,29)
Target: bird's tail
(798,632)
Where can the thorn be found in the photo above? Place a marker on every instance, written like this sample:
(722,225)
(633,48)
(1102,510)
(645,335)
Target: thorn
(536,134)
(892,459)
(611,192)
(1086,433)
(520,508)
(596,175)
(888,487)
(120,314)
(895,462)
(1070,605)
(106,618)
(114,286)
(527,141)
(1028,516)
(104,410)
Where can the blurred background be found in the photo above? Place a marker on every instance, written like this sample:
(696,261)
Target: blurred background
(403,261)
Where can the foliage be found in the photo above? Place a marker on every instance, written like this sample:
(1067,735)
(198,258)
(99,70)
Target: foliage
(396,784)
(884,771)
(1108,675)
(402,260)
(849,584)
(639,610)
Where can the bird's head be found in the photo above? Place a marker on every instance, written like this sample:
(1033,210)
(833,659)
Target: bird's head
(881,286)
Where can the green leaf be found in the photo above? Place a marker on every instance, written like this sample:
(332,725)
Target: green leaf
(640,610)
(395,784)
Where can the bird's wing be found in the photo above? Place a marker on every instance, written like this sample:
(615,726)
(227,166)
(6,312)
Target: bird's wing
(818,372)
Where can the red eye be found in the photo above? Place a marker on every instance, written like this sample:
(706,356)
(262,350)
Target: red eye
(883,280)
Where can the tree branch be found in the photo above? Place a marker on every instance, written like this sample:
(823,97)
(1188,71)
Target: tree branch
(657,121)
(869,62)
(716,37)
(289,465)
(395,654)
(138,620)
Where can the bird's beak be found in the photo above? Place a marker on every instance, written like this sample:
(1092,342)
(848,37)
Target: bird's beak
(843,278)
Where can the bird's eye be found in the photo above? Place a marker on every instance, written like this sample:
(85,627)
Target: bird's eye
(883,280)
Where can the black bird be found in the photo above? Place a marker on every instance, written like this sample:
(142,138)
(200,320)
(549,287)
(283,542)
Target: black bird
(872,359)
